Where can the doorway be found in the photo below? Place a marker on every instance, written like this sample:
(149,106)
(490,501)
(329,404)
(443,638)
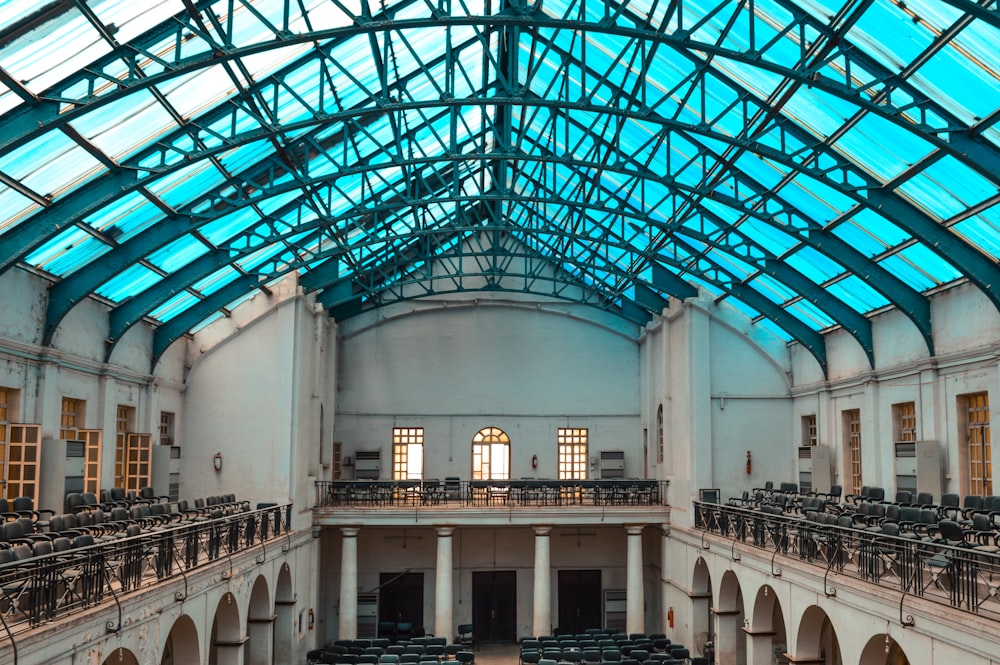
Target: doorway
(579,600)
(494,605)
(401,598)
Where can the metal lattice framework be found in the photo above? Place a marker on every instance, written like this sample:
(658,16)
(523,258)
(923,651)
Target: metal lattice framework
(798,159)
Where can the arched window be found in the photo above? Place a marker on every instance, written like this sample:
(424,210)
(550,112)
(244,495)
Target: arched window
(659,434)
(491,454)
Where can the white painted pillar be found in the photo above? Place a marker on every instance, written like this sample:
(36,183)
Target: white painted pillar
(259,649)
(726,633)
(348,629)
(760,650)
(443,623)
(542,623)
(635,620)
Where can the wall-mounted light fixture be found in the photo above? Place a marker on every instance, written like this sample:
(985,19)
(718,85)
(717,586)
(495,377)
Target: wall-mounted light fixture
(217,461)
(534,461)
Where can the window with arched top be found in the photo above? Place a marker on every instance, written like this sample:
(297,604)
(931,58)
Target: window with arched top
(491,454)
(659,434)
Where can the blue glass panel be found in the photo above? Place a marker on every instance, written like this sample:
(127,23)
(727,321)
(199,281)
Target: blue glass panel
(869,233)
(856,292)
(815,265)
(178,253)
(925,262)
(50,165)
(983,231)
(947,187)
(68,252)
(174,306)
(133,280)
(125,217)
(125,125)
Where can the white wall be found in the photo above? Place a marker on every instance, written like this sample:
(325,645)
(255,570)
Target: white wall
(254,385)
(74,366)
(455,370)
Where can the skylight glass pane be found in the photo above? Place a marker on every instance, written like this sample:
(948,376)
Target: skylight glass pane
(177,254)
(947,188)
(857,293)
(174,306)
(133,280)
(125,125)
(982,231)
(50,165)
(68,252)
(44,56)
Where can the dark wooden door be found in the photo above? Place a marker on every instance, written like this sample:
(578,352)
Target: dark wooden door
(494,606)
(401,598)
(579,600)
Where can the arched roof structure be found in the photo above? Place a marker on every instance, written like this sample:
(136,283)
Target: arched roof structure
(810,161)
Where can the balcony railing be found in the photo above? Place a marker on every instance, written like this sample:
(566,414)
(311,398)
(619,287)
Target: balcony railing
(43,588)
(486,493)
(922,565)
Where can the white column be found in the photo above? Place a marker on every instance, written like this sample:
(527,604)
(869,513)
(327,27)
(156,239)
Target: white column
(542,623)
(635,621)
(348,584)
(443,625)
(760,650)
(727,632)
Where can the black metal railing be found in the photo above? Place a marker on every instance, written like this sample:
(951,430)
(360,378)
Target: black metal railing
(486,493)
(43,588)
(917,564)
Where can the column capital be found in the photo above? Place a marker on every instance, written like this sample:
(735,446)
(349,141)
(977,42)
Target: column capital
(634,529)
(542,529)
(349,531)
(444,531)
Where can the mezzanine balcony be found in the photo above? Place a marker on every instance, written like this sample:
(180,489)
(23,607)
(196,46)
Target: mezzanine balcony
(522,501)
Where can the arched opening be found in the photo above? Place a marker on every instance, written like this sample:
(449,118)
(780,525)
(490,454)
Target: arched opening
(181,647)
(491,454)
(227,638)
(729,645)
(284,612)
(816,639)
(121,656)
(766,632)
(883,650)
(702,624)
(259,644)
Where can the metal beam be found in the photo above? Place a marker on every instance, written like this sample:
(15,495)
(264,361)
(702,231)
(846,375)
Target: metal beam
(858,325)
(169,332)
(810,340)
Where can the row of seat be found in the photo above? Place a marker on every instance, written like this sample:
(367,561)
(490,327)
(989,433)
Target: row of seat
(597,647)
(381,651)
(23,535)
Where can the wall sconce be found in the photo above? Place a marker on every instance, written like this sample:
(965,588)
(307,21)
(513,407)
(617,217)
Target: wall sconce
(217,461)
(534,461)
(749,462)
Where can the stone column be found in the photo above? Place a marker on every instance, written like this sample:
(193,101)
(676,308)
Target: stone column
(443,622)
(635,620)
(664,584)
(760,650)
(542,623)
(726,634)
(348,629)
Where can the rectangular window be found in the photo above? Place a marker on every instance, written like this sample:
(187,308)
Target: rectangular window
(72,418)
(138,460)
(338,455)
(977,418)
(91,459)
(166,428)
(572,453)
(904,422)
(6,411)
(23,472)
(809,437)
(124,425)
(407,453)
(852,435)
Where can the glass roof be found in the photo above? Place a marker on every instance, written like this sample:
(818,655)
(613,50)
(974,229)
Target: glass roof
(810,161)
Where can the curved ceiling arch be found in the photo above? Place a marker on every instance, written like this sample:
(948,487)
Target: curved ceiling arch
(693,141)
